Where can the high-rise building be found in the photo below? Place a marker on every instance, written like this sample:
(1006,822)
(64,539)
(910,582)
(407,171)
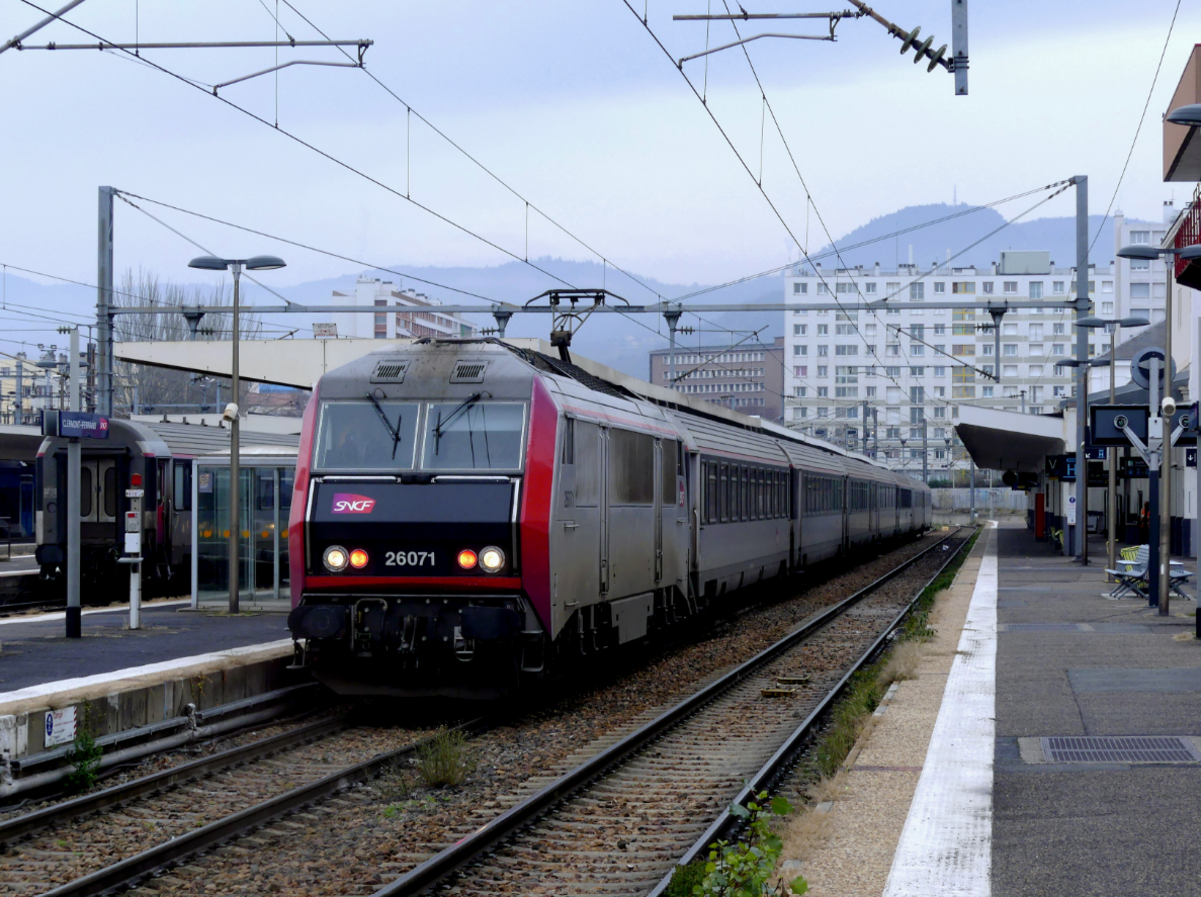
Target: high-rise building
(391,322)
(748,377)
(911,368)
(1139,284)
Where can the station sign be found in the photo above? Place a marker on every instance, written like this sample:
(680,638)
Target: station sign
(1063,467)
(1190,457)
(75,424)
(1106,419)
(1135,468)
(1094,453)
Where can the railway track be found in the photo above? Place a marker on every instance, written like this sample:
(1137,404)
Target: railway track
(67,848)
(618,822)
(649,781)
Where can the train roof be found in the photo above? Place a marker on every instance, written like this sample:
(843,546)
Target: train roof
(194,440)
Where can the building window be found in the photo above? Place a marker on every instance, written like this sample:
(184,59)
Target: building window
(986,392)
(917,395)
(988,286)
(800,289)
(801,370)
(846,350)
(917,349)
(869,287)
(823,371)
(1140,264)
(1140,291)
(1057,391)
(844,288)
(1036,349)
(1009,370)
(1036,370)
(963,348)
(940,286)
(1057,287)
(823,329)
(1107,308)
(844,329)
(796,350)
(1058,349)
(1140,236)
(963,286)
(917,291)
(1107,286)
(822,289)
(892,288)
(800,329)
(823,351)
(1010,349)
(892,371)
(1036,289)
(1011,287)
(916,371)
(940,371)
(870,392)
(1140,313)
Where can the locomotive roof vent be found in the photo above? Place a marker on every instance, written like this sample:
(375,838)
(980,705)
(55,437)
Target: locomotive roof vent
(468,372)
(389,372)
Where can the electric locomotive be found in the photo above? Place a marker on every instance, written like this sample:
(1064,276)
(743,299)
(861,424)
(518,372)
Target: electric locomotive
(470,513)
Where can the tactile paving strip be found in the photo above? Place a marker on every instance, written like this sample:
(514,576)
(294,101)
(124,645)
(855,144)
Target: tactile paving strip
(1120,749)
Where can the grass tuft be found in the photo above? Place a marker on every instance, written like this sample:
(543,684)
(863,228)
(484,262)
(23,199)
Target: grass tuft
(444,761)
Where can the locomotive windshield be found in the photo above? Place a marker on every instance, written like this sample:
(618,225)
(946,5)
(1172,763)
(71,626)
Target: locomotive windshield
(473,435)
(362,435)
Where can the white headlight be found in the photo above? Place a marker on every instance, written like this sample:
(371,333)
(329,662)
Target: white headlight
(492,559)
(335,558)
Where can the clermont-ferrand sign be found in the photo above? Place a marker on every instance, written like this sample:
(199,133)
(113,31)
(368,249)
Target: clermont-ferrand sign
(77,424)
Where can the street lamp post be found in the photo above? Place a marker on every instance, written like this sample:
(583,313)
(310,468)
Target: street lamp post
(1111,511)
(235,266)
(1081,450)
(1169,255)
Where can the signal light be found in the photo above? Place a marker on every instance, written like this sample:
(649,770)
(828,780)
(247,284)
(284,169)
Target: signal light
(358,559)
(492,559)
(335,558)
(467,559)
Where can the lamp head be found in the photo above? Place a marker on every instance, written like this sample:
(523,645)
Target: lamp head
(209,263)
(1139,252)
(1189,116)
(265,263)
(1133,321)
(1091,321)
(1190,253)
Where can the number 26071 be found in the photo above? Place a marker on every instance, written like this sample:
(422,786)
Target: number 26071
(408,558)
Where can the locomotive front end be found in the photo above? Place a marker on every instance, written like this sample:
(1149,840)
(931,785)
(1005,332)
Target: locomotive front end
(411,537)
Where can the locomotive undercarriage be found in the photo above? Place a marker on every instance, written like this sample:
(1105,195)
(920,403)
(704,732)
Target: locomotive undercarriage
(418,645)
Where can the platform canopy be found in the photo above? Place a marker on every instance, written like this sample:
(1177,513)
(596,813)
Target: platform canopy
(19,442)
(1006,440)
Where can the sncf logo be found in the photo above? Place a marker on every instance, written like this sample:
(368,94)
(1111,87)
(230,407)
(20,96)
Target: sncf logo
(349,503)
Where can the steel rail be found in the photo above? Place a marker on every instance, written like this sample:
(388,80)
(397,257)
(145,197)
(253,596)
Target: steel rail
(23,826)
(727,823)
(130,870)
(454,858)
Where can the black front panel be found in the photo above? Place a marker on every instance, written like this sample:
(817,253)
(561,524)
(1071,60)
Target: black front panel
(411,529)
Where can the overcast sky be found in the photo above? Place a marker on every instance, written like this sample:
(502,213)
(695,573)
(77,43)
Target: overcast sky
(578,109)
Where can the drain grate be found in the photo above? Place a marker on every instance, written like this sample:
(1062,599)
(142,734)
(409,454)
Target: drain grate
(1120,749)
(1039,627)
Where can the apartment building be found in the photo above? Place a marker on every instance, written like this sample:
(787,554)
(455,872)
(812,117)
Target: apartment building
(746,377)
(910,369)
(1139,284)
(390,322)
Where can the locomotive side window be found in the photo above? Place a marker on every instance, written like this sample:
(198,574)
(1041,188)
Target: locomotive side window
(354,436)
(631,468)
(586,449)
(479,436)
(670,471)
(569,441)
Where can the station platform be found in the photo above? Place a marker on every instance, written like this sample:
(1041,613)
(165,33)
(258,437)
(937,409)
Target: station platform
(1047,742)
(120,679)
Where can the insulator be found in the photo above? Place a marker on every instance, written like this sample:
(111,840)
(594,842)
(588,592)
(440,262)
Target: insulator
(922,48)
(910,39)
(937,58)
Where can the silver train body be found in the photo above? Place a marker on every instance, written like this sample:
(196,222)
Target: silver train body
(626,509)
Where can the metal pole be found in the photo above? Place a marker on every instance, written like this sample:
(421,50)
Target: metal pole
(1082,304)
(234,526)
(925,451)
(104,309)
(972,490)
(16,40)
(74,458)
(1111,455)
(17,417)
(959,45)
(1153,462)
(672,318)
(1165,479)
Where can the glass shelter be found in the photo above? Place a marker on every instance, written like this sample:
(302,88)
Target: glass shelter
(264,504)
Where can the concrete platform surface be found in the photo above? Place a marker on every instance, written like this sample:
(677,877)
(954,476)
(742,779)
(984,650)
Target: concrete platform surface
(36,652)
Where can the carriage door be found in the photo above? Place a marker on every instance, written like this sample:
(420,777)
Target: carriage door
(604,509)
(98,491)
(661,505)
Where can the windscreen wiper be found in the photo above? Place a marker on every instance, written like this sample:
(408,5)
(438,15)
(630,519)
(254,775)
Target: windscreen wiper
(455,412)
(394,432)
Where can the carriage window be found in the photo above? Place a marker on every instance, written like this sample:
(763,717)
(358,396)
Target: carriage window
(110,491)
(287,478)
(723,493)
(86,494)
(710,492)
(631,468)
(353,436)
(183,486)
(670,472)
(586,448)
(744,504)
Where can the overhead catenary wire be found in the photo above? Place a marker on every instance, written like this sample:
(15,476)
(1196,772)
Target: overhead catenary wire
(325,154)
(1138,129)
(499,180)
